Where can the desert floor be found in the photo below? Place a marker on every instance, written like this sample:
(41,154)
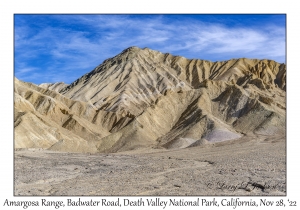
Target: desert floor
(251,165)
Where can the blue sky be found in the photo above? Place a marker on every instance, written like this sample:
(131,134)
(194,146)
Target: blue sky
(62,48)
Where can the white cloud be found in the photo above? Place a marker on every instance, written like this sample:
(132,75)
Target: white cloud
(97,38)
(26,70)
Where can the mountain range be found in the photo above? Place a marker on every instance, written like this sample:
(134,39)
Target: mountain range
(142,98)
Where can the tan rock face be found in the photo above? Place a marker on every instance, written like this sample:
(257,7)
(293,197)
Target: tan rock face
(54,86)
(144,98)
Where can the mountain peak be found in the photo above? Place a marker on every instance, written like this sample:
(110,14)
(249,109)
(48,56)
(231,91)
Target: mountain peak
(150,73)
(132,49)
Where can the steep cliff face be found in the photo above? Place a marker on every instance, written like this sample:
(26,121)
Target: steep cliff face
(143,98)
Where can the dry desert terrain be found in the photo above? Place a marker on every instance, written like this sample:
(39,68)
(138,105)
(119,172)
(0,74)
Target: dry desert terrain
(151,123)
(252,165)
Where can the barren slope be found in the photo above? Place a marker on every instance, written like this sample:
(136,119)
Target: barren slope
(54,86)
(144,98)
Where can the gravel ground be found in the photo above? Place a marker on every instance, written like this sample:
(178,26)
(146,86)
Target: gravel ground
(252,165)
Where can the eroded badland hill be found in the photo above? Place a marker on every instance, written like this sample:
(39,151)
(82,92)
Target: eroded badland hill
(144,98)
(148,123)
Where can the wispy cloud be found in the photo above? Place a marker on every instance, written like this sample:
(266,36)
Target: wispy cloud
(64,47)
